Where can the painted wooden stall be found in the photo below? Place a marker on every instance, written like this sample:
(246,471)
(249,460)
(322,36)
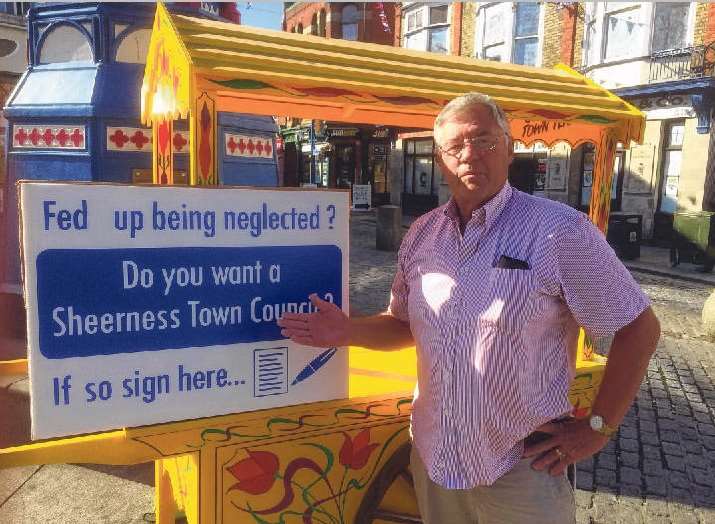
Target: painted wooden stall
(342,461)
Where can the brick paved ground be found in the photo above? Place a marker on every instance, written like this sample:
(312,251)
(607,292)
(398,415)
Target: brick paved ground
(661,467)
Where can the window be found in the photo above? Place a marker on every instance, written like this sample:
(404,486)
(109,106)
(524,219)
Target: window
(426,28)
(672,157)
(509,32)
(314,24)
(65,43)
(349,22)
(15,8)
(622,30)
(321,23)
(419,168)
(133,47)
(526,33)
(299,29)
(670,25)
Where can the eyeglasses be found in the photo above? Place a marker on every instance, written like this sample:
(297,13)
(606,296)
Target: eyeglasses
(481,144)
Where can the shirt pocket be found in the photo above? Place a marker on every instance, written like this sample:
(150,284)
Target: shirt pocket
(509,298)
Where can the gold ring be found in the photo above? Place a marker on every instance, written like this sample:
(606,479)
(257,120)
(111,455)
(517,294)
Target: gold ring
(560,453)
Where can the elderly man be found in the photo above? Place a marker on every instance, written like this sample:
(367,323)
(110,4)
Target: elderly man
(492,287)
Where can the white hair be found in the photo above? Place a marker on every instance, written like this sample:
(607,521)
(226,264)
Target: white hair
(467,101)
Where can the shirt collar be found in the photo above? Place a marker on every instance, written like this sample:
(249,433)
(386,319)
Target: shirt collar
(486,214)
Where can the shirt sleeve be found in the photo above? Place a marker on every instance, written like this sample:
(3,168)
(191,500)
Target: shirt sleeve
(400,291)
(598,289)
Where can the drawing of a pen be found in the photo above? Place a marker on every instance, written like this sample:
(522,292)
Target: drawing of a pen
(314,365)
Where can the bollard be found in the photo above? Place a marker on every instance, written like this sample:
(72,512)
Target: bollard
(389,228)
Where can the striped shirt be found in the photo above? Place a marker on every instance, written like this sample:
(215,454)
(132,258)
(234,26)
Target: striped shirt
(496,344)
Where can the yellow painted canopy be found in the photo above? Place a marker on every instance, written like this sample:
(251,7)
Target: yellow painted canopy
(267,72)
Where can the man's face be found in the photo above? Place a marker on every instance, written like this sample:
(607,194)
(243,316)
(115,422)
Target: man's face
(477,172)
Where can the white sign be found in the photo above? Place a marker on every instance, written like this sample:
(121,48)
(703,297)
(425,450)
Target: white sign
(153,304)
(362,196)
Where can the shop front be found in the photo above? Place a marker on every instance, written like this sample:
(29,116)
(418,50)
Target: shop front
(338,156)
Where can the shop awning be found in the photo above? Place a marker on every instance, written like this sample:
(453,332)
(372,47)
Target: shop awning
(258,71)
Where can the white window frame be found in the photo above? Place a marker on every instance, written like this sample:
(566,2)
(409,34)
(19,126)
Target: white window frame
(412,8)
(599,12)
(509,30)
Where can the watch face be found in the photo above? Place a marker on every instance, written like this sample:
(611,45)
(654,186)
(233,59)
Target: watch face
(596,422)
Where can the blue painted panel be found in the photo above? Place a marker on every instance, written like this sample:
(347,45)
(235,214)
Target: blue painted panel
(34,167)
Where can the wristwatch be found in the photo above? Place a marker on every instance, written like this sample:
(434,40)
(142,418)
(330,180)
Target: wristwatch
(599,426)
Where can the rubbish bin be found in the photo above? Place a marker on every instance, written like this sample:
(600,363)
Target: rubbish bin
(625,232)
(694,239)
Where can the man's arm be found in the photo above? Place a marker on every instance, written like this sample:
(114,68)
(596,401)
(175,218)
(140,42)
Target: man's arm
(628,358)
(329,326)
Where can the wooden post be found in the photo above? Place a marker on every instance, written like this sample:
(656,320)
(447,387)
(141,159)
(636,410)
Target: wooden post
(202,130)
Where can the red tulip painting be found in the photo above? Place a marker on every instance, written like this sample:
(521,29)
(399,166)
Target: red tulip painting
(355,452)
(255,474)
(313,489)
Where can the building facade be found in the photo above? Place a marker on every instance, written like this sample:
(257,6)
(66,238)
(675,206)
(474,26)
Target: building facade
(659,56)
(337,154)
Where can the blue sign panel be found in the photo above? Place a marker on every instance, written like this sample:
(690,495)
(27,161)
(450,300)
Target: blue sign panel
(112,301)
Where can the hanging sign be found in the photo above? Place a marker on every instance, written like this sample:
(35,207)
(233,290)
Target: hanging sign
(153,304)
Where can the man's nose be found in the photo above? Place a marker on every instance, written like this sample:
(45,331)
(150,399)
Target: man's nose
(469,151)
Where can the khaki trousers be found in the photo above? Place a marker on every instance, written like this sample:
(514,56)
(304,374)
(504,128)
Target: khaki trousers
(521,496)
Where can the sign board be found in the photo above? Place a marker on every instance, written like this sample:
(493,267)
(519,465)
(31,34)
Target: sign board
(362,196)
(153,304)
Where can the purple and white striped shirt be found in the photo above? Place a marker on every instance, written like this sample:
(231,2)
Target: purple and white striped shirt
(496,346)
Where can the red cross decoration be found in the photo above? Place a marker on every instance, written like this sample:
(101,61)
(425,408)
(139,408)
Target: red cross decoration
(259,147)
(119,138)
(62,137)
(251,147)
(77,138)
(268,148)
(139,139)
(20,137)
(48,136)
(179,141)
(231,145)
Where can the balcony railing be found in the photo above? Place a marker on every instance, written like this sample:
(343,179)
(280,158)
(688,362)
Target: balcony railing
(682,64)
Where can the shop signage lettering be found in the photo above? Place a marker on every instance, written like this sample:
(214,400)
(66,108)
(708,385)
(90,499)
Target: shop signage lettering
(532,129)
(343,131)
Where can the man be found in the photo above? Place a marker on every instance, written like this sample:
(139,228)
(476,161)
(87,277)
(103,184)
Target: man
(492,287)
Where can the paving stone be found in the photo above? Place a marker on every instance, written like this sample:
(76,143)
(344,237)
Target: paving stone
(630,475)
(646,425)
(675,463)
(656,485)
(678,480)
(651,452)
(650,439)
(607,460)
(668,425)
(605,478)
(628,458)
(706,429)
(652,467)
(585,465)
(692,446)
(701,477)
(628,432)
(669,436)
(628,444)
(709,442)
(669,448)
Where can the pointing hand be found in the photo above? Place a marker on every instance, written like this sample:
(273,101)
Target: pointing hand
(328,326)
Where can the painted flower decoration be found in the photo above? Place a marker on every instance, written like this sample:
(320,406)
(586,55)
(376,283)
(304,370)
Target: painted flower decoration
(255,474)
(355,453)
